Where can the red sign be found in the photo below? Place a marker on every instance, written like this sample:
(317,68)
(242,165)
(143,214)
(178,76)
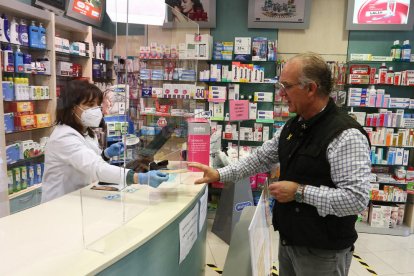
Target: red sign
(87,9)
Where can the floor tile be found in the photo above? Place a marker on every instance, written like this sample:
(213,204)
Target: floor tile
(219,252)
(400,260)
(212,238)
(402,242)
(209,255)
(377,242)
(376,263)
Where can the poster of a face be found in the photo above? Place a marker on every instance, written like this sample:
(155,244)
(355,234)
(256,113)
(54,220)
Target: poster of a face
(203,12)
(381,11)
(279,11)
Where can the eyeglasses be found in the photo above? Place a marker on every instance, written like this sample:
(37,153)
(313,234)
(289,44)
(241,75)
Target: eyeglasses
(284,87)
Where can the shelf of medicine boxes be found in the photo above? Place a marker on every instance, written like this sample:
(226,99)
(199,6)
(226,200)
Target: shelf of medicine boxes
(21,162)
(27,130)
(74,31)
(373,107)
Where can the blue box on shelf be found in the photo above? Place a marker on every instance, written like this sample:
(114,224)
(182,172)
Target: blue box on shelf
(8,90)
(12,153)
(8,122)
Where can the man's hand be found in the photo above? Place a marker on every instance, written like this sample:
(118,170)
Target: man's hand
(210,174)
(283,191)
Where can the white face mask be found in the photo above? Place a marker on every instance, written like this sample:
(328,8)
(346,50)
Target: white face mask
(91,117)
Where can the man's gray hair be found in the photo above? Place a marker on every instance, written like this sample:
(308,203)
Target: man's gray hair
(315,69)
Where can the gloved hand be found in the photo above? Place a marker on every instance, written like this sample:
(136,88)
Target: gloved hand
(155,178)
(114,150)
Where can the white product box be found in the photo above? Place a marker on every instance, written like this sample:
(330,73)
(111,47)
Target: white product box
(64,68)
(157,92)
(167,90)
(252,111)
(263,96)
(379,216)
(265,114)
(217,92)
(234,91)
(266,133)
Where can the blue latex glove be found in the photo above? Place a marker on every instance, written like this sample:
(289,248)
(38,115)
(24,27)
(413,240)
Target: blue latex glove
(155,178)
(114,150)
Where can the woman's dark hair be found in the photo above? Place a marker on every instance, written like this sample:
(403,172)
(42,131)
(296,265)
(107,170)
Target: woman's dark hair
(197,5)
(76,93)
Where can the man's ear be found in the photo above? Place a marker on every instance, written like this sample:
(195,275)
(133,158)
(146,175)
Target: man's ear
(312,88)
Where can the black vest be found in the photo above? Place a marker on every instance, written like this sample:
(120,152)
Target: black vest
(302,154)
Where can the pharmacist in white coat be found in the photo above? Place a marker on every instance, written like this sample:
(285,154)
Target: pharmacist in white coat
(73,158)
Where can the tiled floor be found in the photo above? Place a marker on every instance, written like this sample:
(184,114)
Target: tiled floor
(386,255)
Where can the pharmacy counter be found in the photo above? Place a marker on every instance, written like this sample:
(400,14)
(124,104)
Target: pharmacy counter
(48,239)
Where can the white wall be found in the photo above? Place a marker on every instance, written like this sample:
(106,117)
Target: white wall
(326,34)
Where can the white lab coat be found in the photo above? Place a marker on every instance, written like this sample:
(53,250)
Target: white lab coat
(73,161)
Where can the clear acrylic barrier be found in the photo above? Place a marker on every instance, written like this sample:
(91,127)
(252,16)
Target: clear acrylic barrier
(152,141)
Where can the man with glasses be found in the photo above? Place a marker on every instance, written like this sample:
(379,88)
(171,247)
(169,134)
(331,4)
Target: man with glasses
(324,173)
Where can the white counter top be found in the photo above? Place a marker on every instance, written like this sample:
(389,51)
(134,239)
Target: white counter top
(48,240)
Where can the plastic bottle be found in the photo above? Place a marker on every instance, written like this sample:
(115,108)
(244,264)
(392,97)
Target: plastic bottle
(42,36)
(392,52)
(397,51)
(14,32)
(372,94)
(34,35)
(390,76)
(6,27)
(23,33)
(2,31)
(18,61)
(8,59)
(382,72)
(409,177)
(406,51)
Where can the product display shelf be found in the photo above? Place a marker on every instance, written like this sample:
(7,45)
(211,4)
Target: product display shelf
(25,48)
(27,130)
(394,91)
(391,146)
(378,62)
(108,40)
(17,9)
(25,191)
(385,201)
(230,82)
(24,161)
(63,54)
(399,230)
(16,101)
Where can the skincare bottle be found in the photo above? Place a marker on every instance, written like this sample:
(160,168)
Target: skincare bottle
(18,61)
(8,59)
(42,36)
(34,35)
(23,33)
(6,28)
(14,32)
(406,51)
(2,31)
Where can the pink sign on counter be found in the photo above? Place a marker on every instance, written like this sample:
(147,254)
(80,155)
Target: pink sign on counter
(198,148)
(239,110)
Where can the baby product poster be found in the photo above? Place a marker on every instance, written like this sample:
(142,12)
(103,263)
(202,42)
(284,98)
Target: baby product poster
(381,11)
(279,11)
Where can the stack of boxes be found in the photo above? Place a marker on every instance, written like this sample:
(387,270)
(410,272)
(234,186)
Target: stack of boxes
(22,117)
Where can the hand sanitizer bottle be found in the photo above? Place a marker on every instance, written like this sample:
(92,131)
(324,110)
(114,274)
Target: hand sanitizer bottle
(34,35)
(42,36)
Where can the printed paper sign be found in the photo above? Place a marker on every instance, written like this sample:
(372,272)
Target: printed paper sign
(239,110)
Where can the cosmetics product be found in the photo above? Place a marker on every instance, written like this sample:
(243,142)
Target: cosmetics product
(14,32)
(18,61)
(23,33)
(2,30)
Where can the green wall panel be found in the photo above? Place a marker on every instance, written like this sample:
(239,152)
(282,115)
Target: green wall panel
(232,21)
